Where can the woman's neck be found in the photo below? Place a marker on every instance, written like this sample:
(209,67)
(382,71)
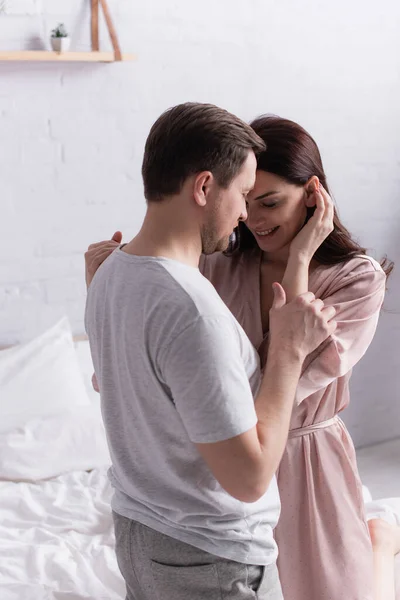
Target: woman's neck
(278,259)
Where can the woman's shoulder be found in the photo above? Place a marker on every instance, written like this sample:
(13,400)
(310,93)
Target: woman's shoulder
(361,270)
(358,265)
(364,264)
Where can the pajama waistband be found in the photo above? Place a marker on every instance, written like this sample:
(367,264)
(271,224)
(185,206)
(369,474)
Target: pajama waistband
(311,428)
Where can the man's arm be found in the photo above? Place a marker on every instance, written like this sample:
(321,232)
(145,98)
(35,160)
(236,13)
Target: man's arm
(246,464)
(209,391)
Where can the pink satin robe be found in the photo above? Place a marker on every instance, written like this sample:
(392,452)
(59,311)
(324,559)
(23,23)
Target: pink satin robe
(324,545)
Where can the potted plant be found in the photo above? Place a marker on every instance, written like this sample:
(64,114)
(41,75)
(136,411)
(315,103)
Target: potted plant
(60,39)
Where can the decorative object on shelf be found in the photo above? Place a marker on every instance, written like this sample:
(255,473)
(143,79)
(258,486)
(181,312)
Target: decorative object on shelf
(61,55)
(60,40)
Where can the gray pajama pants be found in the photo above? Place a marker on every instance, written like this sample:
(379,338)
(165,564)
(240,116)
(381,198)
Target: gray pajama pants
(158,567)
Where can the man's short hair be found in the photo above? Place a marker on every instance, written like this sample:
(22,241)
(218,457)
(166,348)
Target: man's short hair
(191,138)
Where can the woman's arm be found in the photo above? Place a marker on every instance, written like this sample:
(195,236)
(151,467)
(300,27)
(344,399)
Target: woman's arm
(295,279)
(357,293)
(306,243)
(94,256)
(97,253)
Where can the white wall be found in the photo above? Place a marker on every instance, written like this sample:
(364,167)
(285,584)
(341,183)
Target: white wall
(72,137)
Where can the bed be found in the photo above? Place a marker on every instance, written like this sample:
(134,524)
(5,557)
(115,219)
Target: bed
(56,535)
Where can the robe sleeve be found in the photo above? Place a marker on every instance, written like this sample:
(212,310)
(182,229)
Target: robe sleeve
(358,298)
(202,264)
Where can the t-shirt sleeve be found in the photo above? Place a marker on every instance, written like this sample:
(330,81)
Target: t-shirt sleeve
(358,301)
(205,374)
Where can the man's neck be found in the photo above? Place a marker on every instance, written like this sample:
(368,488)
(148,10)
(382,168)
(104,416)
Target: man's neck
(165,233)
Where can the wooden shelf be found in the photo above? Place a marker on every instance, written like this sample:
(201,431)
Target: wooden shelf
(94,56)
(50,56)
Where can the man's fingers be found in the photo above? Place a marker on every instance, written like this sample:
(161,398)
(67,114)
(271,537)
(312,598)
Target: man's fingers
(306,298)
(329,312)
(318,304)
(279,296)
(332,326)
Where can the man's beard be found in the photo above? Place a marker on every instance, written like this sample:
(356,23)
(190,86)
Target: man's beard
(210,243)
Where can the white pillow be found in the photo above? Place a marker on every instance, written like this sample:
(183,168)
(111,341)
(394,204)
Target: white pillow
(41,377)
(46,447)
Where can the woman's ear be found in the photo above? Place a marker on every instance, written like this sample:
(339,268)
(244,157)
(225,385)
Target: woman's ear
(310,188)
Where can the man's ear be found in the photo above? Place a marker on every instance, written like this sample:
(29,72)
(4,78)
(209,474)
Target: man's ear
(202,185)
(310,188)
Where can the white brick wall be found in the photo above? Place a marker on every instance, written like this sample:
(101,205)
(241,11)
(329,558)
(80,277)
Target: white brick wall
(22,7)
(72,137)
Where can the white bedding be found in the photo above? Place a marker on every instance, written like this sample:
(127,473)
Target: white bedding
(56,532)
(56,539)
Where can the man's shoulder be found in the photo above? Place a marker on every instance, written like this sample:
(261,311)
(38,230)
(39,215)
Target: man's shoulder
(190,287)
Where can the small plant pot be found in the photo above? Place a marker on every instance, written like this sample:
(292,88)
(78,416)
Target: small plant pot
(60,44)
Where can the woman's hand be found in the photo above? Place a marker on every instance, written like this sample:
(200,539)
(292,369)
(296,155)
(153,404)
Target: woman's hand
(95,384)
(307,242)
(317,229)
(96,254)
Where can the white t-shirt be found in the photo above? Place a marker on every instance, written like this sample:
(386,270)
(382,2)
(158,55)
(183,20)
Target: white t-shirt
(175,368)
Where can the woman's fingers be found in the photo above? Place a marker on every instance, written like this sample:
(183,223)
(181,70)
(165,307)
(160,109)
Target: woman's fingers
(320,208)
(103,243)
(117,237)
(101,256)
(329,208)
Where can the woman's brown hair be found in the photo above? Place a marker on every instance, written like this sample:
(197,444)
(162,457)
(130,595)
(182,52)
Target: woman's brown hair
(293,155)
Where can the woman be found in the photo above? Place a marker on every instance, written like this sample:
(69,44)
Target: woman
(324,542)
(323,537)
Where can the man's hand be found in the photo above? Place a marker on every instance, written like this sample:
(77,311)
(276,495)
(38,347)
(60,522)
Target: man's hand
(97,254)
(301,325)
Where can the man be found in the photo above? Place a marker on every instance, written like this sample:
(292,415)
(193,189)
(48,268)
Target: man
(195,438)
